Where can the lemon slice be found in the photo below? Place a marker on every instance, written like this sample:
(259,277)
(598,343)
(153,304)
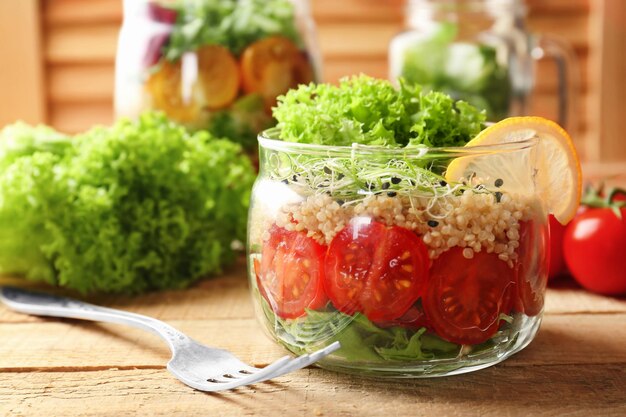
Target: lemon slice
(551,168)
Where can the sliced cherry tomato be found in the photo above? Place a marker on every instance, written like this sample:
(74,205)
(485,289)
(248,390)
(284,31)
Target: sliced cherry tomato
(557,262)
(154,49)
(161,13)
(594,250)
(166,90)
(414,318)
(376,270)
(219,76)
(464,297)
(273,65)
(291,273)
(532,267)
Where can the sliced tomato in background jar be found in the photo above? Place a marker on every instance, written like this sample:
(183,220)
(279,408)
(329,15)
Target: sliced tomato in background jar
(376,270)
(465,297)
(273,65)
(154,48)
(165,87)
(219,76)
(291,272)
(161,13)
(532,267)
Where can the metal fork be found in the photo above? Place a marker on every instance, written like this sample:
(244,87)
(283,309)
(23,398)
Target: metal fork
(201,367)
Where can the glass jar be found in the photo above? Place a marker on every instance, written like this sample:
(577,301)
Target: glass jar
(414,273)
(215,65)
(480,51)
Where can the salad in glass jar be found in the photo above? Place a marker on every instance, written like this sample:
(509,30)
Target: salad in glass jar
(213,64)
(393,222)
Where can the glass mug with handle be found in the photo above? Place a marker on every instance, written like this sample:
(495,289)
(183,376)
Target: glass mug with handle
(481,51)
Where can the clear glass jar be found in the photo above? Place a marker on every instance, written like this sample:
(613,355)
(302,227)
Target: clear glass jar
(414,274)
(480,51)
(216,65)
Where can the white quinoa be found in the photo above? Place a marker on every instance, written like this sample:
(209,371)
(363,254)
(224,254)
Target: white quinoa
(473,220)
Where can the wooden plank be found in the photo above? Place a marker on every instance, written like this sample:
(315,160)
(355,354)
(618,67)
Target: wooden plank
(557,6)
(98,11)
(21,68)
(571,28)
(80,83)
(613,83)
(542,391)
(547,79)
(89,83)
(327,11)
(611,173)
(97,43)
(81,44)
(71,12)
(78,117)
(64,344)
(226,296)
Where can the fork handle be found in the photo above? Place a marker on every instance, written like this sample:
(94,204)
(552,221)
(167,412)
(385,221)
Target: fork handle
(40,304)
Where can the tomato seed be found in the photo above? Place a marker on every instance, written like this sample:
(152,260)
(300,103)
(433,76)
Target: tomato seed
(407,268)
(405,282)
(406,255)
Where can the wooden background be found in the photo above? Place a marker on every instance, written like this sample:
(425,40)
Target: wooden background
(57,57)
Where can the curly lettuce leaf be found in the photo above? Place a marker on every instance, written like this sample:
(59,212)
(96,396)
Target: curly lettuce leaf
(133,207)
(231,23)
(360,339)
(370,111)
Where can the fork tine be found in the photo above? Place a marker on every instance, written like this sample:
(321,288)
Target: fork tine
(301,362)
(279,367)
(246,380)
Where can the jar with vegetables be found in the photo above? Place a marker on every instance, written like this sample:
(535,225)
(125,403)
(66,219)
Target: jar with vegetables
(480,51)
(392,221)
(213,64)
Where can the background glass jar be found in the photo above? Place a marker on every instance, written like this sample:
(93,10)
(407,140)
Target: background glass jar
(480,51)
(415,274)
(214,64)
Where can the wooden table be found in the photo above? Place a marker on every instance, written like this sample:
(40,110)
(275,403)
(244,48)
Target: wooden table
(48,367)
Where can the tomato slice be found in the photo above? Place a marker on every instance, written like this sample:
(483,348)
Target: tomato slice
(291,273)
(166,90)
(464,297)
(414,318)
(376,270)
(273,65)
(219,76)
(532,267)
(161,13)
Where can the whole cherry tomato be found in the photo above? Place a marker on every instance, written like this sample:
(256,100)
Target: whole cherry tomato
(595,250)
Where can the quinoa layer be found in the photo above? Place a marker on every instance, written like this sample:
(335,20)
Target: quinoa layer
(474,221)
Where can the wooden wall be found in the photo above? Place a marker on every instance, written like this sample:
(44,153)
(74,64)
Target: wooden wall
(78,41)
